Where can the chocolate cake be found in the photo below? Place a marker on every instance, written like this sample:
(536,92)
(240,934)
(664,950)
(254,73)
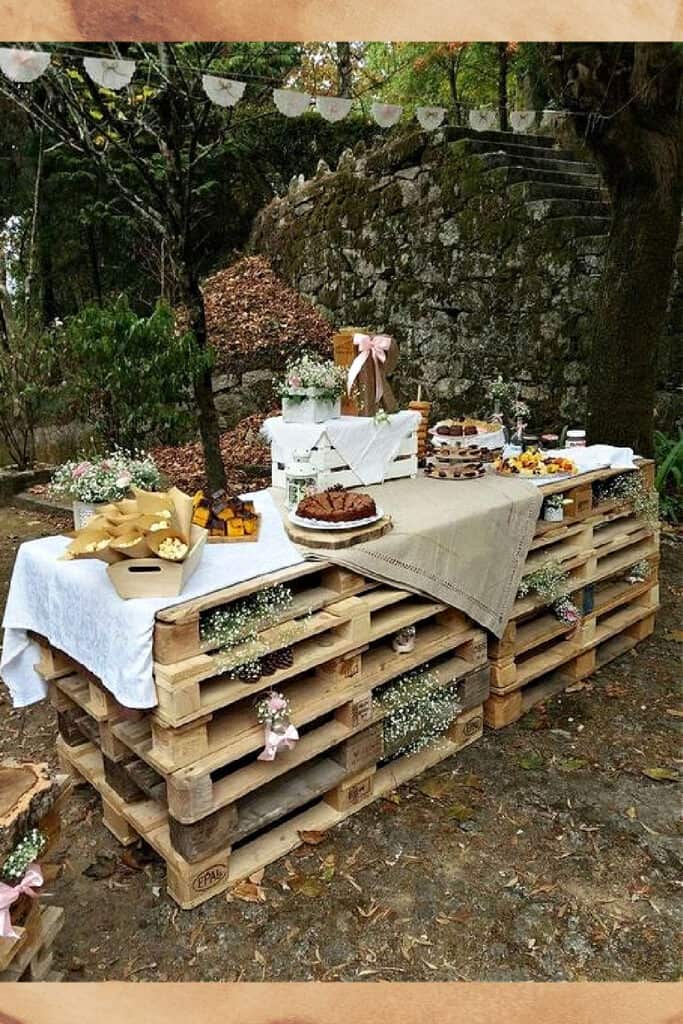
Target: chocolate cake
(335,506)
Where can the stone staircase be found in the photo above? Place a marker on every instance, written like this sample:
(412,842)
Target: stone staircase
(553,183)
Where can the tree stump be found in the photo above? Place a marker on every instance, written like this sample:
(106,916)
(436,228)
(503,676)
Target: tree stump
(27,795)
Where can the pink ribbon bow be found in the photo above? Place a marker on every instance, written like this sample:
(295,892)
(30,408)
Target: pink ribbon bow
(9,894)
(274,741)
(375,347)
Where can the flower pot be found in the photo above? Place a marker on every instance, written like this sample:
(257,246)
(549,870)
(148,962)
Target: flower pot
(85,510)
(306,406)
(552,514)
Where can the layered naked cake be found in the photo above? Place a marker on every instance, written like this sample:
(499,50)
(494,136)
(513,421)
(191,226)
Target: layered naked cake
(336,506)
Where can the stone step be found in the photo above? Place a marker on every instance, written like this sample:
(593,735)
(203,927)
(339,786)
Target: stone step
(512,138)
(521,150)
(545,209)
(532,190)
(583,226)
(503,159)
(526,174)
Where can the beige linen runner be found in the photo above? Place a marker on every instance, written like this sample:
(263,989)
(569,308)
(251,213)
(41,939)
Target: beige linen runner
(460,542)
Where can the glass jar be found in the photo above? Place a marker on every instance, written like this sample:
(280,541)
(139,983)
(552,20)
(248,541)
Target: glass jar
(301,477)
(575,439)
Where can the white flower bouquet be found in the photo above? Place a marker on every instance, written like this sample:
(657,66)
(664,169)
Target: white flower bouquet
(311,390)
(105,478)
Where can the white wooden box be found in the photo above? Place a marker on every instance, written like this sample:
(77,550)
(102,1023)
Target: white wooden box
(326,458)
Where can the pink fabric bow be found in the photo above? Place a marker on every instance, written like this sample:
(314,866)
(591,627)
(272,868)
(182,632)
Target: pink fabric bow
(375,347)
(274,741)
(9,894)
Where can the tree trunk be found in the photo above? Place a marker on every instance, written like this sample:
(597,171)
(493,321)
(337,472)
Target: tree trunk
(192,299)
(634,293)
(453,86)
(503,85)
(345,69)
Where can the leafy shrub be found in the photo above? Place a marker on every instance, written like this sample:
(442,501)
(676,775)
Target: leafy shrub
(132,375)
(669,475)
(27,361)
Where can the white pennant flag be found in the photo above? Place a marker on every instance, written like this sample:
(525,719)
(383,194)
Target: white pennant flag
(110,73)
(483,120)
(430,117)
(333,108)
(386,114)
(290,102)
(223,91)
(23,65)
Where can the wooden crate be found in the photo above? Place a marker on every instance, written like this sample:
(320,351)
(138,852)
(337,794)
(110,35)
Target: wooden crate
(581,490)
(326,458)
(32,957)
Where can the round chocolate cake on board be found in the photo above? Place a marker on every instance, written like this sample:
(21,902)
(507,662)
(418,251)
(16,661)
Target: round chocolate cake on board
(336,506)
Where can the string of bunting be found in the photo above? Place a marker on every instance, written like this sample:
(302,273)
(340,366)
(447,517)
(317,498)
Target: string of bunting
(27,65)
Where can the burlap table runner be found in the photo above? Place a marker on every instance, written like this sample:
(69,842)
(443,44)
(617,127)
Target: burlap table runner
(460,542)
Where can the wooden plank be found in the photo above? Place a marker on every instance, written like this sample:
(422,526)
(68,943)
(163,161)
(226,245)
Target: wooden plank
(408,613)
(337,540)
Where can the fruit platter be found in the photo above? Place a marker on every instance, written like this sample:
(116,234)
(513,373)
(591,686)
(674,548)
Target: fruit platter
(536,465)
(466,430)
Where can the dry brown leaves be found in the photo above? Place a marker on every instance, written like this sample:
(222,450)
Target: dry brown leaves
(249,309)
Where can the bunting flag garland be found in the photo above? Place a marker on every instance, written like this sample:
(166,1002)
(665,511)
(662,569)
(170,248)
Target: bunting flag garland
(110,73)
(333,108)
(386,114)
(26,65)
(290,102)
(223,91)
(483,120)
(23,65)
(430,118)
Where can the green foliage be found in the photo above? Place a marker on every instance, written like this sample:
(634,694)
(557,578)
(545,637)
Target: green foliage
(132,375)
(27,364)
(669,475)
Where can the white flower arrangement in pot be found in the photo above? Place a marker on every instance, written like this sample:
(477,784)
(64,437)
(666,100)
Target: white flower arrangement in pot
(91,483)
(554,506)
(311,390)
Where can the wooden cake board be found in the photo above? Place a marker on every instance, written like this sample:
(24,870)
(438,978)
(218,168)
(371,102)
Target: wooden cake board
(333,540)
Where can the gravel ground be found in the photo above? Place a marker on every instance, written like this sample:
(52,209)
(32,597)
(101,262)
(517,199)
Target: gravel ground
(542,852)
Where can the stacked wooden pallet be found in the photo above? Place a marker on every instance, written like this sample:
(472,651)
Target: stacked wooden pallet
(599,541)
(30,798)
(185,776)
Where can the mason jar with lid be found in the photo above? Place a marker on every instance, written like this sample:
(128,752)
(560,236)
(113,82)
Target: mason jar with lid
(575,439)
(301,477)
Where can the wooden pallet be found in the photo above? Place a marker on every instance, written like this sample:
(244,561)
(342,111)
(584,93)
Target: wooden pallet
(31,957)
(192,883)
(581,490)
(617,616)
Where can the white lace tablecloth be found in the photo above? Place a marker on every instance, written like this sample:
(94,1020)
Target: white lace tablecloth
(368,447)
(74,605)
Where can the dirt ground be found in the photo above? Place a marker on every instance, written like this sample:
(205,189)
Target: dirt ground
(542,852)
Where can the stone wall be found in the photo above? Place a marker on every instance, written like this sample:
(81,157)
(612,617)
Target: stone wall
(479,254)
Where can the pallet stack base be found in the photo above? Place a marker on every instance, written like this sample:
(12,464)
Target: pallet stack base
(30,956)
(186,777)
(538,655)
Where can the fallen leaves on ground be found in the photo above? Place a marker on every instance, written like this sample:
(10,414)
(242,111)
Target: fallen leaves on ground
(573,764)
(661,774)
(531,762)
(306,885)
(103,866)
(249,890)
(312,837)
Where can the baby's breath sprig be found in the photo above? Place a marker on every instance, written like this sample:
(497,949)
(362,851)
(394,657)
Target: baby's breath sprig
(629,488)
(639,572)
(30,848)
(549,583)
(242,620)
(417,711)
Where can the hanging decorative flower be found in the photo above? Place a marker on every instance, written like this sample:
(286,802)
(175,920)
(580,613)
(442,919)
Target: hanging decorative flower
(333,108)
(223,91)
(279,733)
(23,65)
(386,114)
(109,72)
(430,118)
(290,102)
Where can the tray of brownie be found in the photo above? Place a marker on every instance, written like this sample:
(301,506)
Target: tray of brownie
(335,509)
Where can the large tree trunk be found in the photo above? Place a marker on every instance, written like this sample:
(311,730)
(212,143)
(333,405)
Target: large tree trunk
(192,299)
(626,100)
(632,303)
(345,69)
(503,85)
